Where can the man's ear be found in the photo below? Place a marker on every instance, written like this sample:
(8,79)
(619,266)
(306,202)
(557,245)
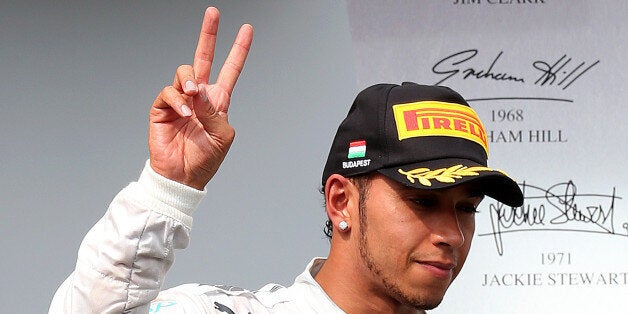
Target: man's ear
(341,200)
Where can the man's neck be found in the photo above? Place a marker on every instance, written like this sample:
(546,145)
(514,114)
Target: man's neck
(348,288)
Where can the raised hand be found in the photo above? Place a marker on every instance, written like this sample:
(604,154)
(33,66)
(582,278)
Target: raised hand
(189,133)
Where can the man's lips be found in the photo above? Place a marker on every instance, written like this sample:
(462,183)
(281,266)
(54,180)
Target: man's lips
(440,269)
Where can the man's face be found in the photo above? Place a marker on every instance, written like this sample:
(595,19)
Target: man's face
(414,242)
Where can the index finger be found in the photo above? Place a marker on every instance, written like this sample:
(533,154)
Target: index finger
(235,60)
(204,55)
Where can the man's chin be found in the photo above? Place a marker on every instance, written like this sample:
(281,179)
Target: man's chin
(430,306)
(427,305)
(428,301)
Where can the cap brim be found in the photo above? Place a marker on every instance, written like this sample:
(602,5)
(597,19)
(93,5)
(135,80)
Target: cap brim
(446,173)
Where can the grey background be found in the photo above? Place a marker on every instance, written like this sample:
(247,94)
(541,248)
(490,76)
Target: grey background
(77,81)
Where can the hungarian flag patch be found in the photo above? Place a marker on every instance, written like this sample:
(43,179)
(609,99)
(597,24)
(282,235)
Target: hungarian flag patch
(357,149)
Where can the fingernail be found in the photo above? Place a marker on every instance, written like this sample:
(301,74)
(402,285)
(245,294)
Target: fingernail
(186,111)
(190,86)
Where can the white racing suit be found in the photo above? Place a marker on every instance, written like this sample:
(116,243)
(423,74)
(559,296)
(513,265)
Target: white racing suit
(123,260)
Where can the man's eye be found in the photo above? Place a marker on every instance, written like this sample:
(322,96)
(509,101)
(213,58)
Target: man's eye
(468,208)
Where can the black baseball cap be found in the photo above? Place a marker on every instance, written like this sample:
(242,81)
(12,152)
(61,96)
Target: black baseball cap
(425,137)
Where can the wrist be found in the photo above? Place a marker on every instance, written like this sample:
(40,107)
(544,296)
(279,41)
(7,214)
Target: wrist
(177,176)
(179,195)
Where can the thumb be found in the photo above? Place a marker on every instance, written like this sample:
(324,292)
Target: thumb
(209,114)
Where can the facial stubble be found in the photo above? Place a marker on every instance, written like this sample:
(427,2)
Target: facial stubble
(390,284)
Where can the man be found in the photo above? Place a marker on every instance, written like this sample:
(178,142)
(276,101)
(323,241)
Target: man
(405,173)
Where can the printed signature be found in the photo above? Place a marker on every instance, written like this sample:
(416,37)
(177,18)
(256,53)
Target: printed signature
(558,208)
(561,73)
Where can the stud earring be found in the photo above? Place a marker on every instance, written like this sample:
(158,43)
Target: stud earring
(343,225)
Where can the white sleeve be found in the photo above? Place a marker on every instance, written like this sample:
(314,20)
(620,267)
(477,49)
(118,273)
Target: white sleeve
(123,259)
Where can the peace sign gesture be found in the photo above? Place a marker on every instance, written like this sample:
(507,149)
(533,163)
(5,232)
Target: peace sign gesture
(189,133)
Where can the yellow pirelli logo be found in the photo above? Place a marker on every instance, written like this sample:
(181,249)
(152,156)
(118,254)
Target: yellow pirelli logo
(434,118)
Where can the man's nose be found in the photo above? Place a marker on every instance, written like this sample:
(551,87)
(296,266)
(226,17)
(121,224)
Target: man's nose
(446,230)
